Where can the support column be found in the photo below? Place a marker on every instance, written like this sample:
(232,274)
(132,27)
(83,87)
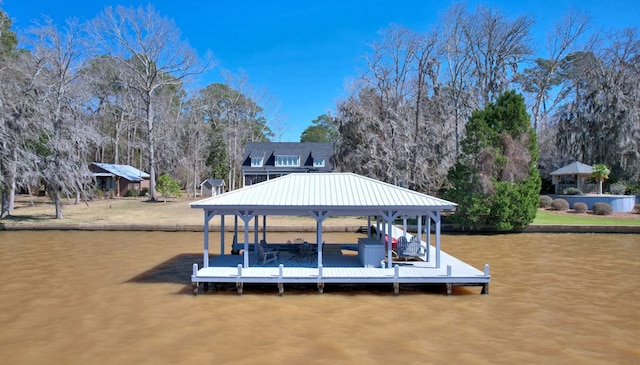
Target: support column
(436,218)
(389,217)
(222,235)
(264,228)
(320,216)
(205,256)
(255,230)
(246,216)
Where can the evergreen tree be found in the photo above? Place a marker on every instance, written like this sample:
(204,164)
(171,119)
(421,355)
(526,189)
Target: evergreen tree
(495,180)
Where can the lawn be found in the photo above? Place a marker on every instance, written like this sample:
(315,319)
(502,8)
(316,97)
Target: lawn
(547,217)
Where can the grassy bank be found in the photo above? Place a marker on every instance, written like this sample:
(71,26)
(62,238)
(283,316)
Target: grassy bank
(131,211)
(548,217)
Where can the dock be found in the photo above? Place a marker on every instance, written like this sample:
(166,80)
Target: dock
(338,268)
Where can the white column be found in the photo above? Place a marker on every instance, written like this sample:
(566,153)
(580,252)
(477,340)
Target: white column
(205,256)
(222,234)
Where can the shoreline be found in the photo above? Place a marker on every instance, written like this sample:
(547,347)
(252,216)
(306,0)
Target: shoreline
(446,229)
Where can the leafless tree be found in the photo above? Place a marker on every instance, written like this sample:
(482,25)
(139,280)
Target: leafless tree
(495,45)
(543,82)
(151,51)
(65,135)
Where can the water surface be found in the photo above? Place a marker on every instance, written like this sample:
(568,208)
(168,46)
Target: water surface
(124,297)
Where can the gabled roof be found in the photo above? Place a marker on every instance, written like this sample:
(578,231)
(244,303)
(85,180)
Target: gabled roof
(213,182)
(128,172)
(337,193)
(574,168)
(270,150)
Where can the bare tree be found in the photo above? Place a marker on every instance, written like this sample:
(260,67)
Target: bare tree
(543,81)
(496,46)
(149,48)
(64,134)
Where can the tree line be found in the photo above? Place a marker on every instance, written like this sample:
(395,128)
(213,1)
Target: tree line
(406,116)
(114,90)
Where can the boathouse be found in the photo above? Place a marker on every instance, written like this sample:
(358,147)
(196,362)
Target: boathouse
(319,196)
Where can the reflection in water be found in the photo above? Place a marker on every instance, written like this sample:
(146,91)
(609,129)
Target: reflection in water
(124,297)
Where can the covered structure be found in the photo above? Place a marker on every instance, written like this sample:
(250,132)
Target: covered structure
(322,195)
(574,175)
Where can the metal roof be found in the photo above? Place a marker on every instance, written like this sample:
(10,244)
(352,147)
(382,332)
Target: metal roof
(338,193)
(128,172)
(574,168)
(213,182)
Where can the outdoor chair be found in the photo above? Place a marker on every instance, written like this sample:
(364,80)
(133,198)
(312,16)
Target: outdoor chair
(411,249)
(266,254)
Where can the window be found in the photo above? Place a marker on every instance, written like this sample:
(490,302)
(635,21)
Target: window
(256,161)
(287,160)
(318,162)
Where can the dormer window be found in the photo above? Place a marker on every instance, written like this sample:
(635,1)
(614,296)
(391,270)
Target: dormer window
(318,162)
(282,161)
(256,161)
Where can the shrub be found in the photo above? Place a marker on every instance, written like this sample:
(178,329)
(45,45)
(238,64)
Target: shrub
(545,201)
(580,207)
(571,191)
(131,192)
(144,191)
(618,188)
(560,204)
(637,208)
(99,194)
(601,208)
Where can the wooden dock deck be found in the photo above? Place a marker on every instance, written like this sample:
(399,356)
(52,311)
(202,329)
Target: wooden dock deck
(340,269)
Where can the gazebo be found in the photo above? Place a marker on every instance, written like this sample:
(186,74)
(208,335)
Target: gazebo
(573,175)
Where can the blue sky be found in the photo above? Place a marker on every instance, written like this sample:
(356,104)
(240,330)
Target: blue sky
(301,52)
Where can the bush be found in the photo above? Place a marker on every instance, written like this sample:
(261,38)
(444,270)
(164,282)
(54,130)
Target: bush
(144,191)
(601,208)
(560,204)
(545,201)
(580,207)
(132,192)
(637,208)
(571,191)
(618,188)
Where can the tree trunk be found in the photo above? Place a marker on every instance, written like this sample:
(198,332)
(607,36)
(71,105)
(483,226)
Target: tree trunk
(5,203)
(58,203)
(152,153)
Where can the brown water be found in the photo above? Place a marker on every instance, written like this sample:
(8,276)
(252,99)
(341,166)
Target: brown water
(124,298)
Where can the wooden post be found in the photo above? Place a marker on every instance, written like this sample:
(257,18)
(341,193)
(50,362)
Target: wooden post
(280,283)
(239,279)
(320,282)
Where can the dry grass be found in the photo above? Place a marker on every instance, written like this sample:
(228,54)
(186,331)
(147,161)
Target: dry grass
(40,210)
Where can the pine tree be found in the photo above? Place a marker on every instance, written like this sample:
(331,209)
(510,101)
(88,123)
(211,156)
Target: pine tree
(495,180)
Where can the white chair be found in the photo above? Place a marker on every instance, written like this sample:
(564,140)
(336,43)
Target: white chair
(266,254)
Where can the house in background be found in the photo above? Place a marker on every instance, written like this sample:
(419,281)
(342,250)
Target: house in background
(263,161)
(118,178)
(212,187)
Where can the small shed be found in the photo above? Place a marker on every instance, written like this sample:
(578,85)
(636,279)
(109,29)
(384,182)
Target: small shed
(212,187)
(574,175)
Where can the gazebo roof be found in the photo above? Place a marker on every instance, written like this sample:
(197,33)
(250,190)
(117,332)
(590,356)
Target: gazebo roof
(574,168)
(336,193)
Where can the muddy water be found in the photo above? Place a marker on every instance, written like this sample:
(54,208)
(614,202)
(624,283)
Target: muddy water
(124,298)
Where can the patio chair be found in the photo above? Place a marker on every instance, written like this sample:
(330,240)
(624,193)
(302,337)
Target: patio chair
(411,249)
(266,254)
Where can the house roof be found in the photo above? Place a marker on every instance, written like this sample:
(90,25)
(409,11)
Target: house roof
(128,172)
(213,182)
(306,150)
(336,193)
(574,168)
